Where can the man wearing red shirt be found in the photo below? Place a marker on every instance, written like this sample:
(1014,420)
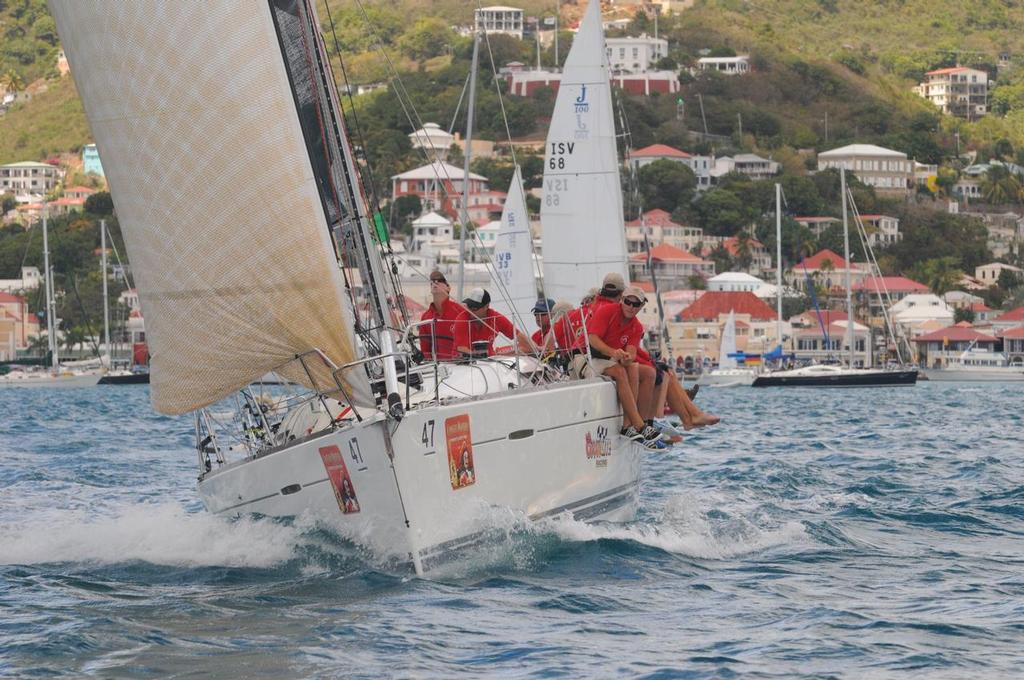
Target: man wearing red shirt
(478,323)
(438,341)
(542,315)
(614,334)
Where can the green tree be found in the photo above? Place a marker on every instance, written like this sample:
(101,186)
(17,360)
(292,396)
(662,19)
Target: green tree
(1000,186)
(99,204)
(940,274)
(721,212)
(427,38)
(722,259)
(666,185)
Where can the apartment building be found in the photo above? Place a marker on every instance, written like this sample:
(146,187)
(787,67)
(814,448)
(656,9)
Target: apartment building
(888,171)
(635,55)
(958,91)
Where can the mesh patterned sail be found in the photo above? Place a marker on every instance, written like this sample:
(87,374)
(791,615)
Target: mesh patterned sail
(195,118)
(581,214)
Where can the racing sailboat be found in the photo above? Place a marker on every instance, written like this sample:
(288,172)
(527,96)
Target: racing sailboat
(238,194)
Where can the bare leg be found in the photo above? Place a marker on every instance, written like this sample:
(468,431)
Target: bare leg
(684,408)
(645,401)
(626,398)
(661,395)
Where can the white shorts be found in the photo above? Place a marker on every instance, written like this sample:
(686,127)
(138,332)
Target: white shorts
(581,368)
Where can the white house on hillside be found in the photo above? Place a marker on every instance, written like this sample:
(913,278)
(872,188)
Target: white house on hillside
(888,171)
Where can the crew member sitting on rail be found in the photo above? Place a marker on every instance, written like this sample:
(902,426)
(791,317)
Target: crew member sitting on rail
(478,325)
(614,334)
(437,341)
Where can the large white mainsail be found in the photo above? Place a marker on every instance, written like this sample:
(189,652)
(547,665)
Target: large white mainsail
(515,286)
(193,111)
(581,214)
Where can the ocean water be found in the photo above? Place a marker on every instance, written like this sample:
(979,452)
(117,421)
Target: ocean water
(814,533)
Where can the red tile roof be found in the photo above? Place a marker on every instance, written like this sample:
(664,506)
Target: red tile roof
(894,284)
(666,253)
(1013,333)
(712,304)
(79,190)
(658,150)
(1012,315)
(731,244)
(955,334)
(980,307)
(655,217)
(815,261)
(951,69)
(32,318)
(964,324)
(8,297)
(828,316)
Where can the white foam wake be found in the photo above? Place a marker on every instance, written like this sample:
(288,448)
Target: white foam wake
(685,528)
(164,534)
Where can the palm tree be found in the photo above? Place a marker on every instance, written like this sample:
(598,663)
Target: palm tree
(1000,185)
(12,82)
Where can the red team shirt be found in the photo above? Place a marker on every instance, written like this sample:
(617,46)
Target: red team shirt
(614,329)
(444,329)
(469,329)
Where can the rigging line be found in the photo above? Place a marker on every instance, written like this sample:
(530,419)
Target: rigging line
(458,106)
(404,99)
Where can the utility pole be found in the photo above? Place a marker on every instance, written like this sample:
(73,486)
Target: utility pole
(826,126)
(700,98)
(558,11)
(739,122)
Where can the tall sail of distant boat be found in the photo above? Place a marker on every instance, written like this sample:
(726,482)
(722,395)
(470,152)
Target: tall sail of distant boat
(849,285)
(727,348)
(581,214)
(515,286)
(51,308)
(235,266)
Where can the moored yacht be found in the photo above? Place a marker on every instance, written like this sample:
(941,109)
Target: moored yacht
(977,365)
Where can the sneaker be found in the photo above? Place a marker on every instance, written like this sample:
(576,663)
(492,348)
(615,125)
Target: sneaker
(651,434)
(631,433)
(654,445)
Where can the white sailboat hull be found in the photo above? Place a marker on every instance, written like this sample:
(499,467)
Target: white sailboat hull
(46,380)
(538,452)
(996,374)
(730,377)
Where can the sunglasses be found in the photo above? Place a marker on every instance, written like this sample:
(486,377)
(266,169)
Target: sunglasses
(473,305)
(633,302)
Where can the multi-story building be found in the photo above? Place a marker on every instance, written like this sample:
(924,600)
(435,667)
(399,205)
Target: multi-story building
(635,55)
(700,165)
(882,230)
(91,160)
(673,266)
(526,83)
(888,171)
(439,186)
(500,19)
(817,224)
(29,177)
(959,91)
(661,229)
(728,65)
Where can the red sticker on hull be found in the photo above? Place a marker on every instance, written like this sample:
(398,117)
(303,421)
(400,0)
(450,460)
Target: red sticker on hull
(460,451)
(344,490)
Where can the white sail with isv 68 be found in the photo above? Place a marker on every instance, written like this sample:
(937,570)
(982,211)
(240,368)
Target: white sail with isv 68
(239,198)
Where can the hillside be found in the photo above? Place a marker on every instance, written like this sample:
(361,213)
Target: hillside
(52,122)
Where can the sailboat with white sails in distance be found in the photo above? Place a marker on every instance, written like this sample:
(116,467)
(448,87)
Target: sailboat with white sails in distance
(239,199)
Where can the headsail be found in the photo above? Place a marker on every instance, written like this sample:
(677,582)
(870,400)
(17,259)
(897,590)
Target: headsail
(515,287)
(581,214)
(224,220)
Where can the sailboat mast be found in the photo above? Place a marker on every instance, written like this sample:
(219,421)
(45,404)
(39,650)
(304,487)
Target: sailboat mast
(778,262)
(846,254)
(470,110)
(51,341)
(106,305)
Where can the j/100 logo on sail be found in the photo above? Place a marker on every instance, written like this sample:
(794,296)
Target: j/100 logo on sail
(598,445)
(581,105)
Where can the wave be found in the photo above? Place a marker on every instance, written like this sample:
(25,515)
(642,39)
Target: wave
(162,534)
